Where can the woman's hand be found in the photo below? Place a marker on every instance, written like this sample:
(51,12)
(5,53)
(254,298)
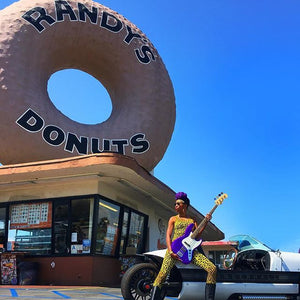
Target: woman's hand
(174,255)
(208,217)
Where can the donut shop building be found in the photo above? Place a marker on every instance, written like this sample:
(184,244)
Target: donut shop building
(78,200)
(77,216)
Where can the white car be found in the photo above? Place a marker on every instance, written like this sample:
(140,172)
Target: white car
(251,271)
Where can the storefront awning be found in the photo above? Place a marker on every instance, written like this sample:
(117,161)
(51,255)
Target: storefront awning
(115,170)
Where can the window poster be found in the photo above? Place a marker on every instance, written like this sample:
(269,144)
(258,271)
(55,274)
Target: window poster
(31,215)
(110,240)
(76,249)
(8,269)
(86,246)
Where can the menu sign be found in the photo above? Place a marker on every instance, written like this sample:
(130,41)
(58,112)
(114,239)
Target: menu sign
(31,215)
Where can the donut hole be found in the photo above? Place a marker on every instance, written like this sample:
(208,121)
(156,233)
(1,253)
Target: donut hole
(79,96)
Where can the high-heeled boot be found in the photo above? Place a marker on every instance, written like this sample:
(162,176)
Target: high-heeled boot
(210,290)
(156,293)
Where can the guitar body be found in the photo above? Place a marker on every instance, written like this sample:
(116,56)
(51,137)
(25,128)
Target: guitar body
(184,246)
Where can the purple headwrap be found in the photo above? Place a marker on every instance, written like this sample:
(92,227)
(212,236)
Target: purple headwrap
(182,196)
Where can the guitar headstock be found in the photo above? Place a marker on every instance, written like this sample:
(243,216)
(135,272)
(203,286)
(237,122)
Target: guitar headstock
(221,197)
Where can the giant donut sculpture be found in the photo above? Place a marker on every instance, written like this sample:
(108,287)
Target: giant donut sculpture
(38,38)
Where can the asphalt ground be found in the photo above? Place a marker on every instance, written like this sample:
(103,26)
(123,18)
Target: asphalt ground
(59,292)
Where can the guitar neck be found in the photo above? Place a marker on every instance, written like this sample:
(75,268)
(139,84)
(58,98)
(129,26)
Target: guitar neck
(203,224)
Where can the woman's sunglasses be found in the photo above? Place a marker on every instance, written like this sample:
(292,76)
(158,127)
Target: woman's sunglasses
(178,203)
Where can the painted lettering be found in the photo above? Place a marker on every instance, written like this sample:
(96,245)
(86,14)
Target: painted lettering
(38,17)
(81,144)
(42,16)
(83,11)
(139,143)
(55,136)
(63,8)
(130,35)
(144,54)
(109,18)
(95,145)
(31,121)
(120,144)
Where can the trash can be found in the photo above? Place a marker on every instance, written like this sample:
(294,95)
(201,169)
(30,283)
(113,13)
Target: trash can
(28,272)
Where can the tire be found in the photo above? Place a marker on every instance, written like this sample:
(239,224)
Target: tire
(137,282)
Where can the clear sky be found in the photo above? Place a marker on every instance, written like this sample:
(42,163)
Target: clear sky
(235,68)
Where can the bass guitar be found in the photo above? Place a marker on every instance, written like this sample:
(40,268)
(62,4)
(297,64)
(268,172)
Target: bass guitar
(185,245)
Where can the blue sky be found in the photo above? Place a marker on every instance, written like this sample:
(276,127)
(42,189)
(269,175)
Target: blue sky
(235,68)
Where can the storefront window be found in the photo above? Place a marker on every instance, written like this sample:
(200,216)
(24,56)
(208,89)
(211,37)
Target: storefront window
(136,232)
(107,228)
(133,236)
(124,235)
(65,227)
(30,228)
(2,227)
(61,227)
(82,224)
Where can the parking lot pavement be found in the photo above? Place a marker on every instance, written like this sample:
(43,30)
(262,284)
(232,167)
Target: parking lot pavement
(38,292)
(59,292)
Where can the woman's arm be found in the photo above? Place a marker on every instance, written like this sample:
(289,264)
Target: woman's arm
(206,220)
(169,237)
(169,233)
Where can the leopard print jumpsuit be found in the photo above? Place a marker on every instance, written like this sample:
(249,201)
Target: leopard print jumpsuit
(199,259)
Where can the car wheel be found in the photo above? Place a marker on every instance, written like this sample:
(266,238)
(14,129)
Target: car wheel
(137,282)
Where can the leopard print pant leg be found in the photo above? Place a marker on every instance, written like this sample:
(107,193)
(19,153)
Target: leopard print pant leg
(165,269)
(204,263)
(198,259)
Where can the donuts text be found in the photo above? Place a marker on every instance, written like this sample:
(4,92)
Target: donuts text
(55,136)
(38,16)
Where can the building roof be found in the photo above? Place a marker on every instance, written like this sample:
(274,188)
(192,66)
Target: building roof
(119,171)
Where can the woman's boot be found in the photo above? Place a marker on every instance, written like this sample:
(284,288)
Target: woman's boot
(210,290)
(156,293)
